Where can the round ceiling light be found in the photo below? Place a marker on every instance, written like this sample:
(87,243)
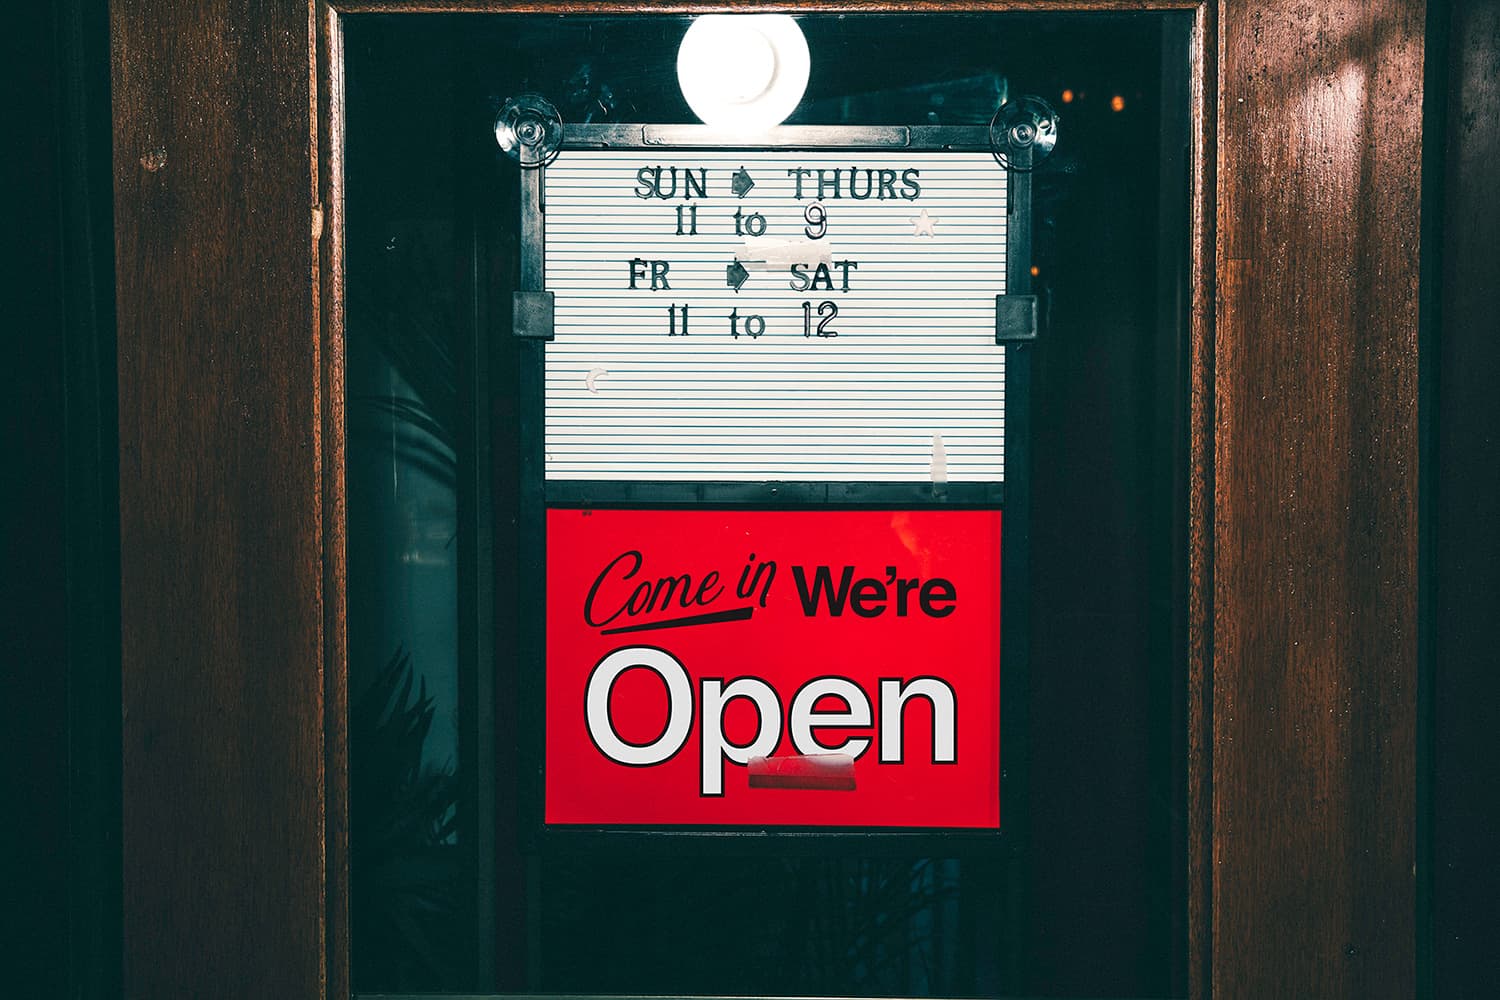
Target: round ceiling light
(743,72)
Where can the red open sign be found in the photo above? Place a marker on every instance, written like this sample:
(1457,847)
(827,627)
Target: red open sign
(846,661)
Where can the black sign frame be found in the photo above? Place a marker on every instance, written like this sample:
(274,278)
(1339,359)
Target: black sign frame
(1011,496)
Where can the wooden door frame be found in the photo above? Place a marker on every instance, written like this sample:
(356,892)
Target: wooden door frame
(1307,168)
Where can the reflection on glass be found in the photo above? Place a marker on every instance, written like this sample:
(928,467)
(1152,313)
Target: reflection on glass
(838,927)
(407,898)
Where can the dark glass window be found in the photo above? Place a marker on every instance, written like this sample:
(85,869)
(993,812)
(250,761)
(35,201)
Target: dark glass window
(449,891)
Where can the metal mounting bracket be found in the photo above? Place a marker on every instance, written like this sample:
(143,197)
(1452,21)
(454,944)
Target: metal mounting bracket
(1017,319)
(533,315)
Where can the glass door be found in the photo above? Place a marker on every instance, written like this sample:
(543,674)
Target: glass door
(767,563)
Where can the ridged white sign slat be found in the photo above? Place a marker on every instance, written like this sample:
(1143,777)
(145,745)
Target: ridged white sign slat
(754,316)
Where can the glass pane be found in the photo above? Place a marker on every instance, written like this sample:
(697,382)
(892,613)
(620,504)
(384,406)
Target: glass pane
(451,891)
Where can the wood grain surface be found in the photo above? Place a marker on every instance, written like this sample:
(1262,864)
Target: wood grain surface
(221,543)
(1315,547)
(329,226)
(748,6)
(1203,267)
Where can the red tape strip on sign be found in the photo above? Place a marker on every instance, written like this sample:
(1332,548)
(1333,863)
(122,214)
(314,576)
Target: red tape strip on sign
(827,772)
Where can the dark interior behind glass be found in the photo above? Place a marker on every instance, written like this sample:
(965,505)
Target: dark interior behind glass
(444,897)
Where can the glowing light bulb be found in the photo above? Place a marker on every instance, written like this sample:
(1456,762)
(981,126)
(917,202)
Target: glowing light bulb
(743,72)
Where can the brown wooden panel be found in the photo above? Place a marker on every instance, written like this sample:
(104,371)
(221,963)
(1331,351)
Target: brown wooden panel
(1199,737)
(220,508)
(742,6)
(330,221)
(1315,639)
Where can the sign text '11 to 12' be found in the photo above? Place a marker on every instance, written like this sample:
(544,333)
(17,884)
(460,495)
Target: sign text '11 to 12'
(754,324)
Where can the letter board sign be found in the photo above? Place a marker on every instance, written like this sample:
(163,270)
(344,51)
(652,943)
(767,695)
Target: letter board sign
(775,315)
(776,439)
